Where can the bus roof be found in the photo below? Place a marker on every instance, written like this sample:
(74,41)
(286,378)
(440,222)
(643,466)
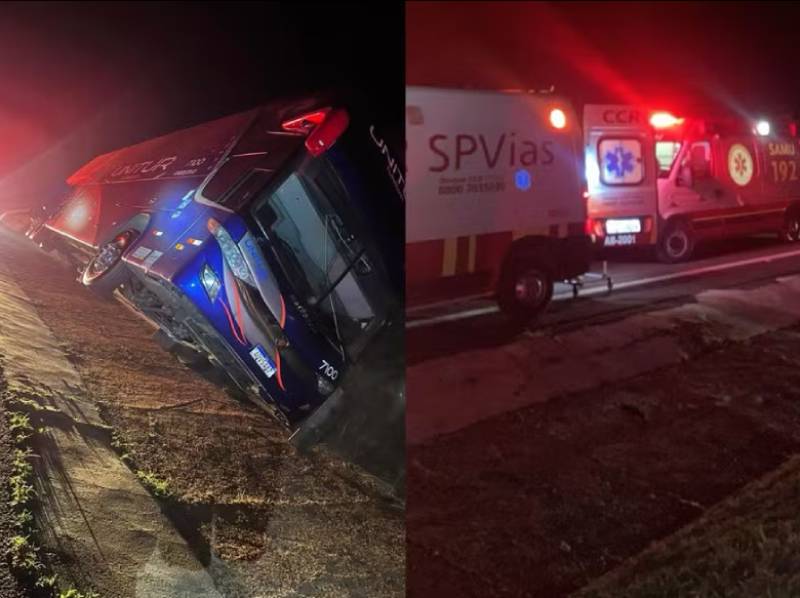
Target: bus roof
(115,186)
(189,152)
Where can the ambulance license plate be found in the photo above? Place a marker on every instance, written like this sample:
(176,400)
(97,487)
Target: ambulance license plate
(619,240)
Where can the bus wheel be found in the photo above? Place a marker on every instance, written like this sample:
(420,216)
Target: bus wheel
(677,243)
(106,270)
(791,227)
(525,290)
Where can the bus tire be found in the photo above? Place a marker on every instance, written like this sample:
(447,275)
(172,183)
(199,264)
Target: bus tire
(676,244)
(790,233)
(106,271)
(195,361)
(524,291)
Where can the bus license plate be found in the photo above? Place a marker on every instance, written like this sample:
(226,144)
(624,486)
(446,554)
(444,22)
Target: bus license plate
(264,362)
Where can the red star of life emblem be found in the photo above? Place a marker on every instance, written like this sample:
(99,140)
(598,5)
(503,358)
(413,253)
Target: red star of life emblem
(740,164)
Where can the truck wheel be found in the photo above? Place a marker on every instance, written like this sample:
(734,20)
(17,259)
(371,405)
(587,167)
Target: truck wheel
(677,243)
(791,227)
(525,290)
(106,270)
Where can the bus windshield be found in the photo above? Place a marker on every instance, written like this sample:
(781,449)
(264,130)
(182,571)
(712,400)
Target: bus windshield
(324,261)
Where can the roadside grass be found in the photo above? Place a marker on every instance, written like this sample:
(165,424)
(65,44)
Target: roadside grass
(22,551)
(748,545)
(119,444)
(72,593)
(159,487)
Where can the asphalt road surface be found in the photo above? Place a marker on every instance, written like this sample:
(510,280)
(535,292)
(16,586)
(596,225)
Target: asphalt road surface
(639,283)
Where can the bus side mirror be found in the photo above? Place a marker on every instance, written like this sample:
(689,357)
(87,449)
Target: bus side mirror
(363,267)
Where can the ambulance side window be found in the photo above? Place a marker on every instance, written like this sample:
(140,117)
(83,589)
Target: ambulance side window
(620,161)
(696,164)
(700,159)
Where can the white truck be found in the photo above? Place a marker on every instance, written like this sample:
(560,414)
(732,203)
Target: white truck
(655,179)
(495,197)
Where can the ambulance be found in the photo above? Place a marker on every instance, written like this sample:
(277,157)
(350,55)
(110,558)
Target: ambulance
(495,199)
(656,179)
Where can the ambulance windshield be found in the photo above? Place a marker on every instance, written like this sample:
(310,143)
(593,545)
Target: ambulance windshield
(666,152)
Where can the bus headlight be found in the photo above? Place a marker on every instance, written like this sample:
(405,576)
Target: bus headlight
(231,252)
(211,283)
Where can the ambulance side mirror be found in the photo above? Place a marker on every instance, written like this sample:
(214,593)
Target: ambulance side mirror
(684,178)
(698,161)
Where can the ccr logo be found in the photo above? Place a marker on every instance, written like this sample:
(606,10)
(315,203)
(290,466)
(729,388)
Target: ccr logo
(622,117)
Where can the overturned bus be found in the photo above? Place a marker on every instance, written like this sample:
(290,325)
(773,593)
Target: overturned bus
(268,243)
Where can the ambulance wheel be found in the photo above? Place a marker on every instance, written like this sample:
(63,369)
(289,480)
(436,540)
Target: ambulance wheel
(791,227)
(106,271)
(40,236)
(677,243)
(525,290)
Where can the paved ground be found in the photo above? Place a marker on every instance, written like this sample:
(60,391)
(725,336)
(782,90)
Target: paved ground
(537,367)
(258,518)
(478,325)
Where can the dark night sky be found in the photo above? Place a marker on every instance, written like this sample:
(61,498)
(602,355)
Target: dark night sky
(676,54)
(79,79)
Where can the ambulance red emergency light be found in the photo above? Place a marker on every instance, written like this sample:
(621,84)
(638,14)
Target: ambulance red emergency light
(494,197)
(669,181)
